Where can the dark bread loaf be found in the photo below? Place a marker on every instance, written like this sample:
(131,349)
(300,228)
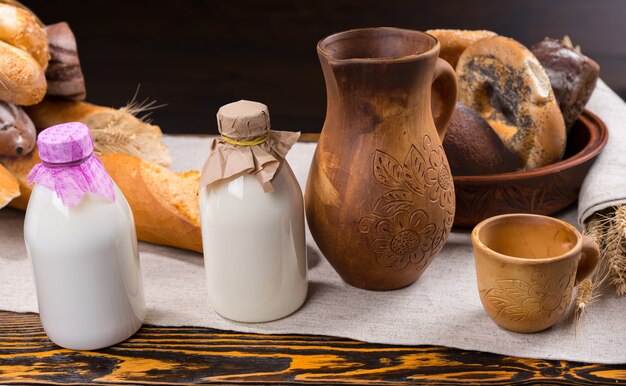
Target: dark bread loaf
(64,75)
(473,148)
(572,75)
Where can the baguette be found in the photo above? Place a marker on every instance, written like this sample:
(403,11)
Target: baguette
(113,130)
(164,204)
(9,187)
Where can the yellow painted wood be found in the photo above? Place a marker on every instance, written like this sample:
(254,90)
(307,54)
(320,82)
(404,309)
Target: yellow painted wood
(182,355)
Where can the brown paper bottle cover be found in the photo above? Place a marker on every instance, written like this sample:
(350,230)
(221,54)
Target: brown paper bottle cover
(247,144)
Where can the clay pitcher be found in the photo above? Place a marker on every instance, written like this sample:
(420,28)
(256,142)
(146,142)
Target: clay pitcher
(379,197)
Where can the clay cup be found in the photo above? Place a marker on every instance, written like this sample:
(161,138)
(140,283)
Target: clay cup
(527,267)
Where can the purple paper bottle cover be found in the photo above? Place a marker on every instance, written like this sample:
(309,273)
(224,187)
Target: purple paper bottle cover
(68,166)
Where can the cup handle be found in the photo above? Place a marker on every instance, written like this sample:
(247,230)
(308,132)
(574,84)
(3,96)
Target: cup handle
(588,260)
(443,96)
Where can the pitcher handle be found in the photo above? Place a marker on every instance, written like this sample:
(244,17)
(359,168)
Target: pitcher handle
(443,96)
(588,260)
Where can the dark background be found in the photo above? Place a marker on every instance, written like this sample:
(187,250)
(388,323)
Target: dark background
(196,55)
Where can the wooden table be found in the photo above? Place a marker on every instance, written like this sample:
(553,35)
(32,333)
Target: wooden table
(181,355)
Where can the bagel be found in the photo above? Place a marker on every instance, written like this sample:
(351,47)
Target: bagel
(504,82)
(454,41)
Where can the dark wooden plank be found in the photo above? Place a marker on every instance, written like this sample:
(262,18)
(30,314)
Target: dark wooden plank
(197,55)
(183,355)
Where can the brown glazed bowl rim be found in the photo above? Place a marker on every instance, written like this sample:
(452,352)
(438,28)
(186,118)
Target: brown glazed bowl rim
(322,44)
(590,151)
(520,260)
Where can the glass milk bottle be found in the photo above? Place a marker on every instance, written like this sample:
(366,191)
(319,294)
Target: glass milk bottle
(80,236)
(252,218)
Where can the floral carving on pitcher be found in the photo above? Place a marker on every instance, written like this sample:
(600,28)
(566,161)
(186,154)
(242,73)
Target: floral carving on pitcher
(399,232)
(438,177)
(518,301)
(403,239)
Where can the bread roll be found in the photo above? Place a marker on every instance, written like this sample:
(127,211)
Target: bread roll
(164,204)
(9,187)
(505,83)
(454,41)
(473,148)
(573,76)
(22,79)
(21,29)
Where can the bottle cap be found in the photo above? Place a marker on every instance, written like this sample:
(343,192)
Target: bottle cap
(68,166)
(65,143)
(243,120)
(246,145)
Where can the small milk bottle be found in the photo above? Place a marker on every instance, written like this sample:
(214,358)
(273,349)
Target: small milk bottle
(80,236)
(252,218)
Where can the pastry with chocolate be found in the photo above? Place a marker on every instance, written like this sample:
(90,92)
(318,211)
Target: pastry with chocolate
(17,131)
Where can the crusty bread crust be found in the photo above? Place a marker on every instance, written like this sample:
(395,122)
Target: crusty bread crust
(454,41)
(21,29)
(23,81)
(165,204)
(9,187)
(19,167)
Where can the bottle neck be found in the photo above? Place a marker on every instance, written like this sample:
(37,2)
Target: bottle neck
(66,164)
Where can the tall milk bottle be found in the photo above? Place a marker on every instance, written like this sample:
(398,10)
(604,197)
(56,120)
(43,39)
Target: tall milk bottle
(80,236)
(252,217)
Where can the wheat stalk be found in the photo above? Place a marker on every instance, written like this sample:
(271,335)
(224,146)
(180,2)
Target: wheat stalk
(588,288)
(615,251)
(608,230)
(125,131)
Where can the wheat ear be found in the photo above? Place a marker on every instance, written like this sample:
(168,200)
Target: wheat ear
(588,289)
(615,250)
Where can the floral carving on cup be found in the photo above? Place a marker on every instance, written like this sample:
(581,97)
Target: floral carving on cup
(519,301)
(405,238)
(399,231)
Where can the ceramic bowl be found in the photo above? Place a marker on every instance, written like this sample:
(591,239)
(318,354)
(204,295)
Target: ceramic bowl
(544,190)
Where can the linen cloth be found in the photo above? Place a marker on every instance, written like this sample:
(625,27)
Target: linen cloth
(441,308)
(605,184)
